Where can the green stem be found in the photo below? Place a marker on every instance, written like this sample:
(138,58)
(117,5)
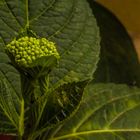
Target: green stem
(42,106)
(21,119)
(27,14)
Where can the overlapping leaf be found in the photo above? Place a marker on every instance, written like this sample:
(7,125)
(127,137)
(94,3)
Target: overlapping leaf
(11,102)
(107,112)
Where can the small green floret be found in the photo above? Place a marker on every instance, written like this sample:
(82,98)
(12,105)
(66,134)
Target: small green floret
(28,49)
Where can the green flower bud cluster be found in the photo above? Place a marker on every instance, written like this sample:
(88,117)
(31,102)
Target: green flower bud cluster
(28,49)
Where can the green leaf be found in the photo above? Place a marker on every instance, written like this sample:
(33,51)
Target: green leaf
(12,18)
(64,101)
(11,102)
(77,38)
(78,45)
(3,56)
(61,106)
(107,112)
(10,24)
(119,62)
(40,67)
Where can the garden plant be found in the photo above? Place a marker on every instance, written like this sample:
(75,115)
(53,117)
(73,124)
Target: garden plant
(68,71)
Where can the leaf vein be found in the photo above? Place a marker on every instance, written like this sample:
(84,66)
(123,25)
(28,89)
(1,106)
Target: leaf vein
(100,107)
(45,10)
(11,12)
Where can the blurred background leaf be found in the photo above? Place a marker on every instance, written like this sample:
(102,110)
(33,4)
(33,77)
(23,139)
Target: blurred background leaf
(118,59)
(127,12)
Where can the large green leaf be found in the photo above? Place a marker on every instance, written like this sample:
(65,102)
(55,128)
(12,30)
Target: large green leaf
(107,112)
(11,121)
(72,26)
(118,61)
(11,102)
(69,23)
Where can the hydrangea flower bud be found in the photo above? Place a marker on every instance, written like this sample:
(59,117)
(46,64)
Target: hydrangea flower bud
(28,49)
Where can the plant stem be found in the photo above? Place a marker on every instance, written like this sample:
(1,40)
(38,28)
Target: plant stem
(42,106)
(27,14)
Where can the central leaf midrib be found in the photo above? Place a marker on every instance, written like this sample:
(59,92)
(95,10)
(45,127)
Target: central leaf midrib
(66,22)
(100,107)
(9,117)
(119,115)
(71,47)
(96,132)
(27,13)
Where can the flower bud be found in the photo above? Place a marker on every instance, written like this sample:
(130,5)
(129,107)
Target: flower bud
(28,49)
